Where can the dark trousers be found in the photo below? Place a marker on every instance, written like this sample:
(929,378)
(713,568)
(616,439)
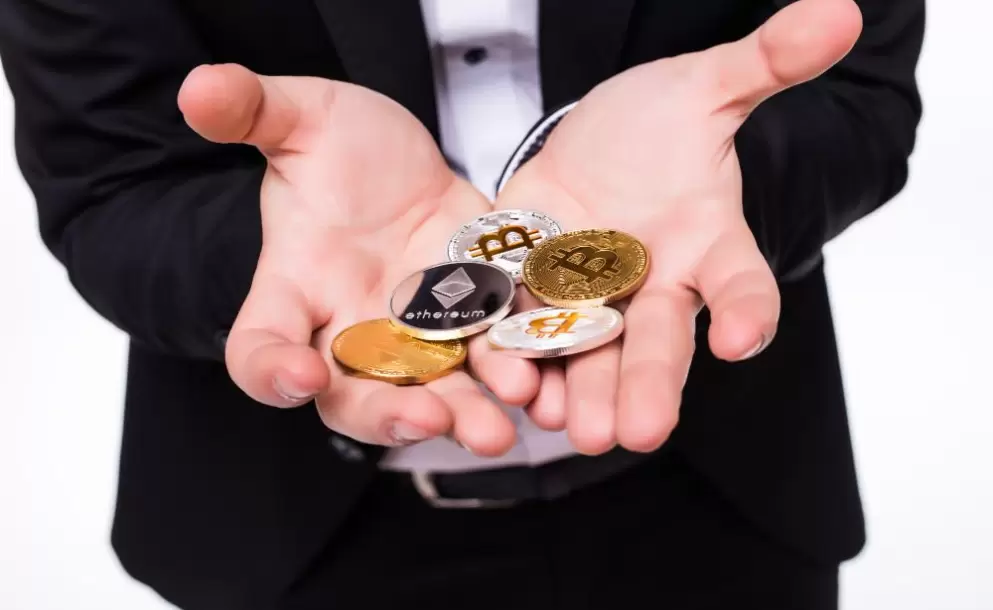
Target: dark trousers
(656,536)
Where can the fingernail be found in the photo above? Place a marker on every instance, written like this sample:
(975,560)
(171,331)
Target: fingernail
(761,345)
(452,438)
(403,433)
(287,390)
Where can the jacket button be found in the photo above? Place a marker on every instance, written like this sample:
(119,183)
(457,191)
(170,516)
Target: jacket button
(347,449)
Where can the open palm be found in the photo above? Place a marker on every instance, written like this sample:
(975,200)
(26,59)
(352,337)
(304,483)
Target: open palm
(651,152)
(356,197)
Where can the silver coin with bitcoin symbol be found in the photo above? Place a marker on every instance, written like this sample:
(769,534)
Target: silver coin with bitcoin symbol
(502,238)
(586,268)
(553,332)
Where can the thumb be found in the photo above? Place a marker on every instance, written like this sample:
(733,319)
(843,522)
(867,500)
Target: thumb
(231,104)
(795,45)
(268,351)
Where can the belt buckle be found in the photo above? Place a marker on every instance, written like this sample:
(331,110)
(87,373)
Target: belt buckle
(424,484)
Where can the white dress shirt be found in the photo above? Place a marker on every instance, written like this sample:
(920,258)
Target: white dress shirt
(489,95)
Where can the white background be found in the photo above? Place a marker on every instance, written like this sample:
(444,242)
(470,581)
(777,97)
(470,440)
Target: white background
(910,288)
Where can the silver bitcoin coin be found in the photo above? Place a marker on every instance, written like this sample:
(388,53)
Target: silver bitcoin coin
(502,238)
(553,332)
(452,300)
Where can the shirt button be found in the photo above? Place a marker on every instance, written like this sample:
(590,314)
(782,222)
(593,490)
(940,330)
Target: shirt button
(347,449)
(475,55)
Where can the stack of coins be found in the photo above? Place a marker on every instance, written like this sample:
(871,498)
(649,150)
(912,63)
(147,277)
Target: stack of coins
(434,311)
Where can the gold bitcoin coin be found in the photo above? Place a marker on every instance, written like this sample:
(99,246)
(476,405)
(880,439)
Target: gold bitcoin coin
(586,268)
(377,349)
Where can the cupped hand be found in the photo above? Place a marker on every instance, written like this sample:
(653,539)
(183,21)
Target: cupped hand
(356,196)
(651,152)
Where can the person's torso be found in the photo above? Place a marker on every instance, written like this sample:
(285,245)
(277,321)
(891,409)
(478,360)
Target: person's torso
(218,490)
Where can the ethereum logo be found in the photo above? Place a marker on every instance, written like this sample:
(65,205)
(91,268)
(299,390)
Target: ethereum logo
(453,288)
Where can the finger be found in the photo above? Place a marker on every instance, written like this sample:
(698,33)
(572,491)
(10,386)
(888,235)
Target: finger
(548,410)
(591,398)
(268,352)
(378,413)
(741,292)
(513,380)
(658,346)
(231,104)
(479,424)
(795,45)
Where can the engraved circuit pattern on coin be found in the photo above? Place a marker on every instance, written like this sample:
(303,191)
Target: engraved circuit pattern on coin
(376,349)
(552,332)
(502,238)
(586,268)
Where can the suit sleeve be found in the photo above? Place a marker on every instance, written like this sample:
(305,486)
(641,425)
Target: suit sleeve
(159,230)
(820,156)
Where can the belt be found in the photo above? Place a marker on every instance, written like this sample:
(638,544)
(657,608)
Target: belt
(513,485)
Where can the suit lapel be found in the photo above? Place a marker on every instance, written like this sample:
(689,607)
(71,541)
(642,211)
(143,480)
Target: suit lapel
(383,46)
(580,42)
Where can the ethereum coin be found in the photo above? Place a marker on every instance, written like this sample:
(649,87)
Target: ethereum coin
(552,332)
(376,349)
(586,268)
(452,300)
(502,238)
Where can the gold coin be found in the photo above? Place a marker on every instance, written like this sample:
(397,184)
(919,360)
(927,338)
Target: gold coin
(376,349)
(586,268)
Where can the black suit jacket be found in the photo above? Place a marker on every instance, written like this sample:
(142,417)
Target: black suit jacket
(223,501)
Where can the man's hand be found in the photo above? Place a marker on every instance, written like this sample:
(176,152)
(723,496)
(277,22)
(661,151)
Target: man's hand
(651,152)
(356,197)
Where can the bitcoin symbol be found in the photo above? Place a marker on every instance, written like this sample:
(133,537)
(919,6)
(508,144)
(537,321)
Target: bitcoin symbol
(482,247)
(584,266)
(553,326)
